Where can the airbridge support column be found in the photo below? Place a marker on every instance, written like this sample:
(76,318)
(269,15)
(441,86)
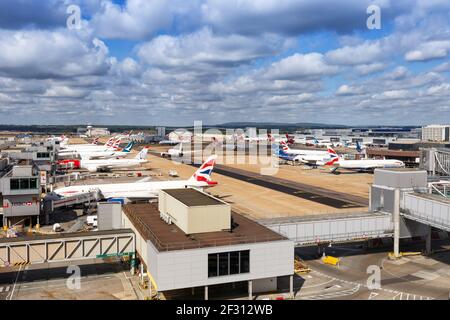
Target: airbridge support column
(396,220)
(428,241)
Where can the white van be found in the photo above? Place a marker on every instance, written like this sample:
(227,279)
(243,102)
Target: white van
(92,221)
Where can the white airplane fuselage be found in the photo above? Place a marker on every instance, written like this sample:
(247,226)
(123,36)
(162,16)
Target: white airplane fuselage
(307,152)
(90,148)
(369,164)
(130,190)
(94,165)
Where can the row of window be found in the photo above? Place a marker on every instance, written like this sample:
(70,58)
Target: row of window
(228,263)
(23,184)
(43,155)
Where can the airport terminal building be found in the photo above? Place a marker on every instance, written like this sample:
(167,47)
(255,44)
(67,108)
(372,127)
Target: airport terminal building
(191,239)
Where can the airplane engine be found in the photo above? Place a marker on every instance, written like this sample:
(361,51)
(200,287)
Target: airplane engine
(92,169)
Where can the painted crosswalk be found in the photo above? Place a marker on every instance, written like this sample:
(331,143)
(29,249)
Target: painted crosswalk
(396,295)
(4,289)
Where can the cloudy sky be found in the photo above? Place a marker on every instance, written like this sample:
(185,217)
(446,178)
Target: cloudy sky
(149,62)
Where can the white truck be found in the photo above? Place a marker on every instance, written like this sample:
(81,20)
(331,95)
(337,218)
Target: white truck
(92,221)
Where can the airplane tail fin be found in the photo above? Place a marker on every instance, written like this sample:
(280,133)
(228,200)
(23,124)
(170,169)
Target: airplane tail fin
(358,147)
(95,141)
(116,144)
(333,156)
(285,146)
(110,142)
(282,152)
(128,147)
(289,140)
(203,174)
(143,154)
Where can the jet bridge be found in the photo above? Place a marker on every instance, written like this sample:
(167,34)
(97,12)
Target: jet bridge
(67,247)
(426,208)
(316,229)
(53,201)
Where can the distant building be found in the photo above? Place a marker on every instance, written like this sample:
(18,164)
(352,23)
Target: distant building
(90,131)
(82,131)
(20,193)
(161,131)
(436,132)
(191,240)
(180,135)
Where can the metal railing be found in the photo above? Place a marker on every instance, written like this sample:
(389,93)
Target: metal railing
(339,237)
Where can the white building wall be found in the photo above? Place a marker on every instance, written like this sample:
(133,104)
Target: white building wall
(141,243)
(434,132)
(189,268)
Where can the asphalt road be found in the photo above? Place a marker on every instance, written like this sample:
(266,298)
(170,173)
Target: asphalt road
(323,196)
(104,280)
(410,278)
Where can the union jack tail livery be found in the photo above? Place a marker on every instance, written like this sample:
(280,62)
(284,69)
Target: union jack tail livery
(116,144)
(285,146)
(203,174)
(110,142)
(333,157)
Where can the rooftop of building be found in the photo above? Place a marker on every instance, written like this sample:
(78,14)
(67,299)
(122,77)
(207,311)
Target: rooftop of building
(145,217)
(390,152)
(192,198)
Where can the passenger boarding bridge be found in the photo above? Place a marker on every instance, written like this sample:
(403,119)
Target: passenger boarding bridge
(401,205)
(67,247)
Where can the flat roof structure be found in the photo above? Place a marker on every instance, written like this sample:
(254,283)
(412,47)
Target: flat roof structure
(393,153)
(166,237)
(193,198)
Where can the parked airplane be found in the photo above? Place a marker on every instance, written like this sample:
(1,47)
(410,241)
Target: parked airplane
(61,139)
(290,151)
(365,165)
(169,142)
(287,140)
(93,144)
(176,152)
(111,144)
(312,159)
(106,164)
(200,179)
(357,146)
(176,141)
(91,155)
